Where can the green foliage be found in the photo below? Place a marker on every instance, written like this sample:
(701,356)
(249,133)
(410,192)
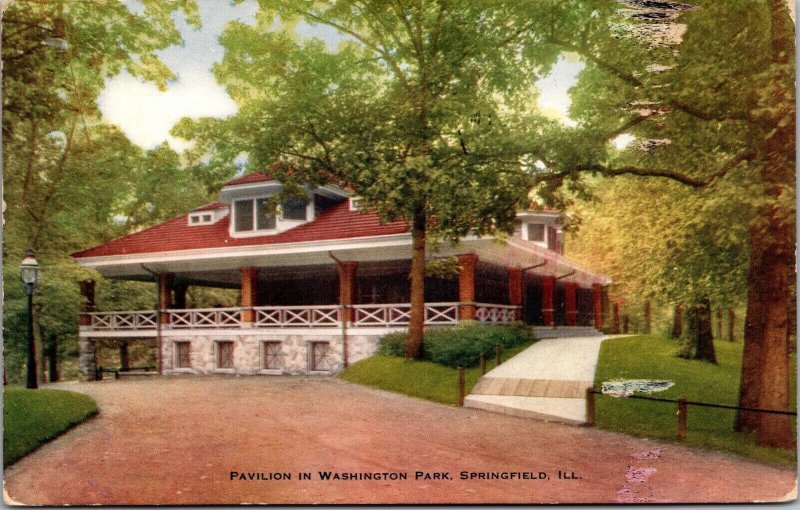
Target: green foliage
(420,379)
(69,180)
(460,346)
(651,357)
(34,417)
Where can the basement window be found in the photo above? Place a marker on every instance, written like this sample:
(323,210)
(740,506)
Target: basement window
(224,357)
(183,358)
(271,355)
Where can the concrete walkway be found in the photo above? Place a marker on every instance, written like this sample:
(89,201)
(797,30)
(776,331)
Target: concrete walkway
(546,381)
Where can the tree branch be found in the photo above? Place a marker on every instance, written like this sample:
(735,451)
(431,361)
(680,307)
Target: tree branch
(673,175)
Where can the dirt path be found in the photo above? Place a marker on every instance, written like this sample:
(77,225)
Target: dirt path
(176,441)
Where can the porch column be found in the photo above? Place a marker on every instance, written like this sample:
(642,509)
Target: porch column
(180,295)
(571,289)
(87,358)
(249,288)
(515,290)
(87,304)
(87,355)
(124,360)
(165,283)
(347,288)
(467,263)
(615,312)
(548,312)
(597,305)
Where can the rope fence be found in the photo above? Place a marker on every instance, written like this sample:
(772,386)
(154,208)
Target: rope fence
(682,404)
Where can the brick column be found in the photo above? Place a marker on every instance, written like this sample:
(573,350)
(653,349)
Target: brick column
(165,283)
(516,282)
(87,304)
(572,303)
(615,318)
(466,286)
(548,312)
(347,288)
(249,289)
(597,305)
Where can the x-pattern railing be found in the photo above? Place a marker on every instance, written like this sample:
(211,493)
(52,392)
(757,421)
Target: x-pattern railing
(399,314)
(293,316)
(485,312)
(124,320)
(205,318)
(369,315)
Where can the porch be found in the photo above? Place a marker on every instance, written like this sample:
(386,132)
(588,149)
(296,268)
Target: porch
(320,317)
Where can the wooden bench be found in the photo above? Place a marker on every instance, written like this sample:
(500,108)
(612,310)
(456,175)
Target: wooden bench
(119,372)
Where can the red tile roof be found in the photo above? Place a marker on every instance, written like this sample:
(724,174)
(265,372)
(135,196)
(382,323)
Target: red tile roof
(338,222)
(249,178)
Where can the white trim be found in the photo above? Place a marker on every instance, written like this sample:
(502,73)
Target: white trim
(366,242)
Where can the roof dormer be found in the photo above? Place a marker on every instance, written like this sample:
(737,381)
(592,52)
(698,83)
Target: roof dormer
(542,228)
(248,197)
(207,214)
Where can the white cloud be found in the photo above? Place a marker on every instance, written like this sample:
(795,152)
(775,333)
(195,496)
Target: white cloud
(147,115)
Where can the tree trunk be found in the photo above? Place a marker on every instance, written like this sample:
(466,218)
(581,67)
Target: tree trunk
(648,317)
(677,322)
(626,322)
(416,323)
(731,321)
(765,361)
(719,323)
(705,335)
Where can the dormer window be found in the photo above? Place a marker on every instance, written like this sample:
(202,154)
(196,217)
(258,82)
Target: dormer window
(205,218)
(535,232)
(251,215)
(294,209)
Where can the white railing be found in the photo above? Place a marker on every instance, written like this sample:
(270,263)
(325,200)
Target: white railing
(124,320)
(399,314)
(297,316)
(486,312)
(205,318)
(378,315)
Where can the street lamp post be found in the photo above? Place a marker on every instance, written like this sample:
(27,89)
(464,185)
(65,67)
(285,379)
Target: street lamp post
(29,274)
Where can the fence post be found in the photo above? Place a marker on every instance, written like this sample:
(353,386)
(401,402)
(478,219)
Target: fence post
(682,412)
(497,355)
(590,406)
(461,384)
(483,364)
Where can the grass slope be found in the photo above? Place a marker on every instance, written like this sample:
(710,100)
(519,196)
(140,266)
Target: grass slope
(651,357)
(421,379)
(34,417)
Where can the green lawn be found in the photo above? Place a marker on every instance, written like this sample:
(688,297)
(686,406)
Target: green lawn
(34,417)
(651,357)
(421,379)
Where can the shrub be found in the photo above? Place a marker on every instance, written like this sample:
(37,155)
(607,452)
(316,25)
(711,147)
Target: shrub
(459,346)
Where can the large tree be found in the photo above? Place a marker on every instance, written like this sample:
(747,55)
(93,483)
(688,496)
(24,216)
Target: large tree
(420,111)
(715,109)
(69,180)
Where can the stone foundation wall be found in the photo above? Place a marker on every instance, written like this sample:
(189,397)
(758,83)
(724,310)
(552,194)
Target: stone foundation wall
(295,355)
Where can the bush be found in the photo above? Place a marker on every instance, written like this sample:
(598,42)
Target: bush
(460,346)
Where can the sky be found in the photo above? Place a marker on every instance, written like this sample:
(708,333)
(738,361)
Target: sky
(146,115)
